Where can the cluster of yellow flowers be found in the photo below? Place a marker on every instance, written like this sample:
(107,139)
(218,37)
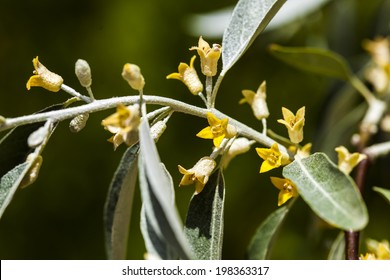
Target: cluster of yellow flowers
(377,250)
(125,121)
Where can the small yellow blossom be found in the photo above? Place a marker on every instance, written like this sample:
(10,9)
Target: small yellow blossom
(218,130)
(132,74)
(367,257)
(378,74)
(199,174)
(294,124)
(272,157)
(124,124)
(257,101)
(44,78)
(286,187)
(187,74)
(378,250)
(209,57)
(346,160)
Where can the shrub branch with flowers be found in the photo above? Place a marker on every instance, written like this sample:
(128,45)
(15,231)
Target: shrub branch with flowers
(327,188)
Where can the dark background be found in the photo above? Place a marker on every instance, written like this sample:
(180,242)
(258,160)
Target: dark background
(60,216)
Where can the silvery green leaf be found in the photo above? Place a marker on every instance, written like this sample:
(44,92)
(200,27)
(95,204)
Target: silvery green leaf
(330,193)
(118,206)
(10,182)
(314,60)
(204,222)
(261,242)
(384,192)
(157,193)
(248,20)
(337,250)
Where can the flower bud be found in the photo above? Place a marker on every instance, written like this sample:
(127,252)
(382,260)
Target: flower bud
(78,122)
(240,145)
(132,74)
(158,129)
(32,173)
(83,73)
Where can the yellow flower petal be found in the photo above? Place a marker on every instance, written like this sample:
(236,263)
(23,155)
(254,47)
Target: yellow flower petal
(205,133)
(44,78)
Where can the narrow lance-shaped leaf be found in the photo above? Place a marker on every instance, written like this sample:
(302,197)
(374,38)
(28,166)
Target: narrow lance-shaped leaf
(204,222)
(156,191)
(155,242)
(385,193)
(315,60)
(330,193)
(261,242)
(249,19)
(337,250)
(118,206)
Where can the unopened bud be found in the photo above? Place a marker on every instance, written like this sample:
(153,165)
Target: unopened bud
(157,130)
(231,131)
(83,73)
(132,74)
(33,172)
(240,145)
(2,120)
(78,122)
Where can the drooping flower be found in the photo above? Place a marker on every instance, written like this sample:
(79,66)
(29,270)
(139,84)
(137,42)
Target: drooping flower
(272,157)
(286,187)
(132,74)
(346,160)
(187,74)
(257,100)
(44,78)
(199,174)
(209,57)
(294,124)
(124,124)
(218,130)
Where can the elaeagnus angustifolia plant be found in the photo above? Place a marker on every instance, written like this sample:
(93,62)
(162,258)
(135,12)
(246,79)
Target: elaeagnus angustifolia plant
(326,187)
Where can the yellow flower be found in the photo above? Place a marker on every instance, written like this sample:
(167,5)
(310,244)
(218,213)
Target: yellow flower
(367,257)
(218,130)
(124,124)
(346,160)
(209,57)
(199,174)
(257,101)
(44,78)
(187,74)
(273,158)
(286,187)
(378,74)
(294,124)
(378,250)
(132,74)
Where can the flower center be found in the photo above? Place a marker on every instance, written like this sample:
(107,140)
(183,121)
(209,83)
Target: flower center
(272,159)
(217,130)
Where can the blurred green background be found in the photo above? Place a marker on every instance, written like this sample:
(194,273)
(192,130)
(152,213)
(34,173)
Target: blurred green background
(60,216)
